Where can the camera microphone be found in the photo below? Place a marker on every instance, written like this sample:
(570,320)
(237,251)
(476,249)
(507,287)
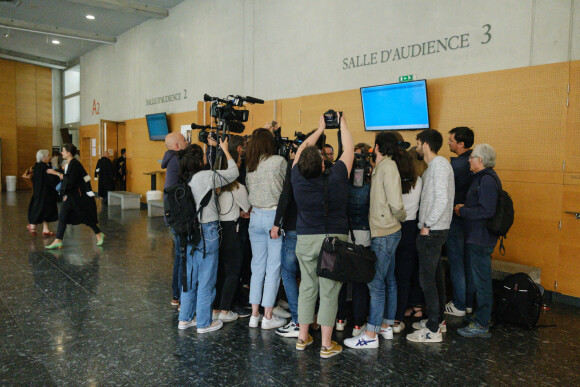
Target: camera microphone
(195,126)
(253,100)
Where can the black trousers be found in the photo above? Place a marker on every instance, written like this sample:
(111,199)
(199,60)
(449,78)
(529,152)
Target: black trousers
(409,291)
(65,211)
(360,302)
(431,275)
(229,265)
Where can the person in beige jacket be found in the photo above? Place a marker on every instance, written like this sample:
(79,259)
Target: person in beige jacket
(385,216)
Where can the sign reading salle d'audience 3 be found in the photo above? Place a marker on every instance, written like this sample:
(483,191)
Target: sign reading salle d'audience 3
(437,46)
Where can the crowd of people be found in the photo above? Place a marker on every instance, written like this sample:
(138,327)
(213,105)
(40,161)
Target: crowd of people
(267,218)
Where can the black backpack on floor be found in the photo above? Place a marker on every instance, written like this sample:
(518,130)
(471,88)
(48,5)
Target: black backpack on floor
(520,301)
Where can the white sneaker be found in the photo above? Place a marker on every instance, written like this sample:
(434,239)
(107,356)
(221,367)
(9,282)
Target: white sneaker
(424,335)
(340,324)
(468,310)
(255,321)
(423,324)
(357,330)
(215,315)
(362,341)
(228,317)
(288,330)
(452,310)
(187,324)
(398,327)
(281,312)
(214,326)
(283,304)
(274,322)
(387,333)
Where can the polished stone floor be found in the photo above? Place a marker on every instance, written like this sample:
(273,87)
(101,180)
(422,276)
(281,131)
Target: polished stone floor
(88,315)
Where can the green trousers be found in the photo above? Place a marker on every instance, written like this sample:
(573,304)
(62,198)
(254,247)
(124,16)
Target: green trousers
(311,286)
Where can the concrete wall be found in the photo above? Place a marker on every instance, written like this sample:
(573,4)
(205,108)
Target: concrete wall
(280,49)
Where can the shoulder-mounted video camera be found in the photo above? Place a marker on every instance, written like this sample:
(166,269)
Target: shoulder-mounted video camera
(361,169)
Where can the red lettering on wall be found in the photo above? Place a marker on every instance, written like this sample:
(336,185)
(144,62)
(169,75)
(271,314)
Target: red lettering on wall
(96,108)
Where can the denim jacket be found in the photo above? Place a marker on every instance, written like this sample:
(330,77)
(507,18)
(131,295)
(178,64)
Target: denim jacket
(359,199)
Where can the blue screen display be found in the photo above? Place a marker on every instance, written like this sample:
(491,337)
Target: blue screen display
(157,125)
(396,106)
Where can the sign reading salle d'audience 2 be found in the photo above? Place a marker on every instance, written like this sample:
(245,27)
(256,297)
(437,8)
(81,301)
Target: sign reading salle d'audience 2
(452,43)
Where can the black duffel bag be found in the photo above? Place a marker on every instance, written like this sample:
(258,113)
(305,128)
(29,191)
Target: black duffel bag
(343,261)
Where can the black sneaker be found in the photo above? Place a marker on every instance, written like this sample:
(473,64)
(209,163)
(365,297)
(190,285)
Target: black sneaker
(242,312)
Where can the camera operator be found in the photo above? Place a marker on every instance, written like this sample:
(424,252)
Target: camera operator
(359,197)
(312,227)
(265,180)
(202,262)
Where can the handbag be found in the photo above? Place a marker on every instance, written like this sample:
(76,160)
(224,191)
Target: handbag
(343,261)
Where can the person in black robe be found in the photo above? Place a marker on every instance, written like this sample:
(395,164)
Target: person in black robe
(78,199)
(121,170)
(42,207)
(105,172)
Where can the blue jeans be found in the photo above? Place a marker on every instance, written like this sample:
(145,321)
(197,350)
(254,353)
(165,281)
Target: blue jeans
(459,266)
(481,267)
(266,258)
(290,272)
(384,282)
(201,276)
(176,283)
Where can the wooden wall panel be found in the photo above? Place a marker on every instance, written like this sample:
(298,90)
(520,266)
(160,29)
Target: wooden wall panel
(569,259)
(25,115)
(44,98)
(25,95)
(534,238)
(27,149)
(8,118)
(573,127)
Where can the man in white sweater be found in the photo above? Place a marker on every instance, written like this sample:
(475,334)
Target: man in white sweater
(435,215)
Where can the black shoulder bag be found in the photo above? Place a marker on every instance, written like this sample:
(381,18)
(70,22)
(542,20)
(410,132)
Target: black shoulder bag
(342,261)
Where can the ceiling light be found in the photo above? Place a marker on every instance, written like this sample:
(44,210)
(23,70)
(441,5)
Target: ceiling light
(90,17)
(54,41)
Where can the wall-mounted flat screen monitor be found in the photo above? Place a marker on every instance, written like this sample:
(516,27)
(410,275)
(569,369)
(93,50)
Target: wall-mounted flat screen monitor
(157,126)
(397,106)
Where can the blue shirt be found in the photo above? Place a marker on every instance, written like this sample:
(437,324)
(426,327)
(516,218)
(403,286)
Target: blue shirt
(480,204)
(462,176)
(359,199)
(309,196)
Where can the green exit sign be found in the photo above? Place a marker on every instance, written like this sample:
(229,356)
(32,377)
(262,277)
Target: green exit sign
(405,78)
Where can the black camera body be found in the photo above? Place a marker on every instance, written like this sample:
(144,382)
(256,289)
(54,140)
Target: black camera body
(332,119)
(284,146)
(205,134)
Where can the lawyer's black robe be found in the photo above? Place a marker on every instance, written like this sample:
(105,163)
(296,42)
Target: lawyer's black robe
(78,206)
(42,207)
(106,174)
